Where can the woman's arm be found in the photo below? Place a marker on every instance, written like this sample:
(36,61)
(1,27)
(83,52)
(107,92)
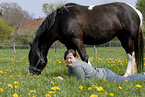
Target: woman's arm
(78,72)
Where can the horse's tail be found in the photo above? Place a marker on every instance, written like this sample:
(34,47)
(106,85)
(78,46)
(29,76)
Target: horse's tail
(139,48)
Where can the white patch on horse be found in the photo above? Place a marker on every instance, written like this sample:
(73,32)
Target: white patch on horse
(131,67)
(138,12)
(91,7)
(89,62)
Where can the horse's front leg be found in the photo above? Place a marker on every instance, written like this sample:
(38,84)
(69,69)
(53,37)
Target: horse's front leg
(81,50)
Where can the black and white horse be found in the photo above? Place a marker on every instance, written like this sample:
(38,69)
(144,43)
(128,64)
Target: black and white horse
(75,25)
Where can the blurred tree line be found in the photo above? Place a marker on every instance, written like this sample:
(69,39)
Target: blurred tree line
(11,14)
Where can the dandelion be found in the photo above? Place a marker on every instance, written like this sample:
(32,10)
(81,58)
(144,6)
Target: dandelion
(11,76)
(139,86)
(38,76)
(105,80)
(1,71)
(32,91)
(53,77)
(16,82)
(100,89)
(111,94)
(15,95)
(81,87)
(89,88)
(55,88)
(11,86)
(59,61)
(47,95)
(106,93)
(51,92)
(93,85)
(1,89)
(101,93)
(16,86)
(94,95)
(120,88)
(52,82)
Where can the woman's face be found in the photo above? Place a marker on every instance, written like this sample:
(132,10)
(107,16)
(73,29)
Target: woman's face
(70,59)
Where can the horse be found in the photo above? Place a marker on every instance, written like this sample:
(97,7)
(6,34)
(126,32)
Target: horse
(76,25)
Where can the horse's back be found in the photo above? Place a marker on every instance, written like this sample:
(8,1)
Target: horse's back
(100,23)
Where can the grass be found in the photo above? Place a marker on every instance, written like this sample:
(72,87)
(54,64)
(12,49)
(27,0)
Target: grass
(15,81)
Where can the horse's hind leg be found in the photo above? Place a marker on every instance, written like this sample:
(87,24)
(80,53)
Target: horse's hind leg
(131,67)
(128,45)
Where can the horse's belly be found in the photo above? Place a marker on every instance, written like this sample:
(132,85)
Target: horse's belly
(96,41)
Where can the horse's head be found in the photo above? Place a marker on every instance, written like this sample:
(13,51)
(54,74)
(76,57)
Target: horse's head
(37,61)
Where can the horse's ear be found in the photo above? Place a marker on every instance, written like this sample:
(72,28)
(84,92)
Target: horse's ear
(30,44)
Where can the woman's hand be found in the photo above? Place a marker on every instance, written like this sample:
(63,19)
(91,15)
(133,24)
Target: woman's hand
(59,77)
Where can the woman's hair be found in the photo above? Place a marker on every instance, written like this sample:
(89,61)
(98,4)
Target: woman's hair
(70,51)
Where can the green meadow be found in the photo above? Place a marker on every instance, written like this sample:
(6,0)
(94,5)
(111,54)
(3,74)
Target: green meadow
(15,81)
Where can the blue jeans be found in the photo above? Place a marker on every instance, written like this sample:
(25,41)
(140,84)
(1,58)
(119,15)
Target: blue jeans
(111,76)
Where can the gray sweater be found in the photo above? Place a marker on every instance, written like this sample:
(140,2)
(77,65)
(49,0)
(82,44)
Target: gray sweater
(82,70)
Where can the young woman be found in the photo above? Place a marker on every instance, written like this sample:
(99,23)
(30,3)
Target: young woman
(82,70)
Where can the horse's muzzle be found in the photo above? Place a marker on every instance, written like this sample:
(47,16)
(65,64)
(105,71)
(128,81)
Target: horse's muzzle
(34,71)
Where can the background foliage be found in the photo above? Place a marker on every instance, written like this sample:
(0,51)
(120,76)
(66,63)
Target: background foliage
(16,17)
(5,30)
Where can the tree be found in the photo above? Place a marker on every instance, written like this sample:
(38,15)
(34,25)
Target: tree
(49,8)
(140,5)
(13,13)
(5,30)
(0,10)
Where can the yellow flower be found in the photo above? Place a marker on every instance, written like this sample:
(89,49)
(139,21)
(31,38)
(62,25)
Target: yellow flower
(81,87)
(0,82)
(11,76)
(120,88)
(16,86)
(11,86)
(101,93)
(51,92)
(94,95)
(53,77)
(52,82)
(55,88)
(15,95)
(93,85)
(139,86)
(126,80)
(32,91)
(1,71)
(89,88)
(47,95)
(105,80)
(111,94)
(38,76)
(16,82)
(100,89)
(59,61)
(1,89)
(106,93)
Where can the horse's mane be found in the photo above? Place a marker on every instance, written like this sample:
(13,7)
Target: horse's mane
(46,24)
(50,19)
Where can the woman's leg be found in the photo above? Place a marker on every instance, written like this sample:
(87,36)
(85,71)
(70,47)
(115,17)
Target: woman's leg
(111,76)
(140,76)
